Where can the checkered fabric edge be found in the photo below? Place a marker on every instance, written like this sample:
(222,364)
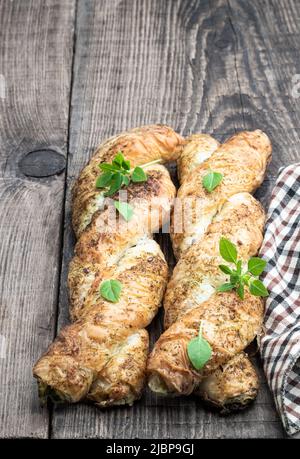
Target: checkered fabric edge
(280,343)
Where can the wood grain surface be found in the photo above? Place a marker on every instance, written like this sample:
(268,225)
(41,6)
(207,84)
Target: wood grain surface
(201,66)
(36,47)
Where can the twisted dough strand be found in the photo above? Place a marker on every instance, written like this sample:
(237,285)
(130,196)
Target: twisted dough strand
(102,356)
(229,324)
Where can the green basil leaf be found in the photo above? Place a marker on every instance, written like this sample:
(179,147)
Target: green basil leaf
(126,164)
(234,278)
(241,291)
(211,180)
(225,269)
(118,159)
(104,179)
(107,167)
(257,288)
(199,352)
(138,175)
(227,250)
(115,184)
(125,180)
(225,287)
(125,209)
(110,290)
(239,267)
(246,278)
(256,265)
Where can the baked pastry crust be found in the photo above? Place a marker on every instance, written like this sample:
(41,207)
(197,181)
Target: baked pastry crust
(229,323)
(101,356)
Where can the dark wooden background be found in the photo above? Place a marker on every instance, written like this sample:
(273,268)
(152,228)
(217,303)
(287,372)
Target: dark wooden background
(75,72)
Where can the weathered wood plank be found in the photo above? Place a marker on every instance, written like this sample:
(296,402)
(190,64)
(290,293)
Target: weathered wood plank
(215,67)
(36,44)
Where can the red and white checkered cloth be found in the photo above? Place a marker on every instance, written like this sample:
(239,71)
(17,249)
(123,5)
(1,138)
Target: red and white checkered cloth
(280,343)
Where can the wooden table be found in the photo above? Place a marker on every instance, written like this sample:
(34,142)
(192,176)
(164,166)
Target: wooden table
(75,72)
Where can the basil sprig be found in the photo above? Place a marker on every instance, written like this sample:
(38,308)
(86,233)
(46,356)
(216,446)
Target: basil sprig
(199,350)
(125,209)
(211,180)
(118,173)
(110,290)
(238,279)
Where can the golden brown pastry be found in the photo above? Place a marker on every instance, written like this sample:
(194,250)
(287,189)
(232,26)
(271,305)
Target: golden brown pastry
(242,160)
(229,323)
(102,356)
(232,386)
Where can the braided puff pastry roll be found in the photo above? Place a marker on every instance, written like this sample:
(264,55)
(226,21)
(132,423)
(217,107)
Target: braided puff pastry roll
(102,356)
(229,324)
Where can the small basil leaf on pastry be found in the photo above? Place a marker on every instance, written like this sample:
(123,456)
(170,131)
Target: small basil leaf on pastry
(110,290)
(245,278)
(225,269)
(239,267)
(225,287)
(107,167)
(119,173)
(125,209)
(126,180)
(104,179)
(234,278)
(228,250)
(199,350)
(257,288)
(118,160)
(115,184)
(211,180)
(238,280)
(256,265)
(126,165)
(241,291)
(138,175)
